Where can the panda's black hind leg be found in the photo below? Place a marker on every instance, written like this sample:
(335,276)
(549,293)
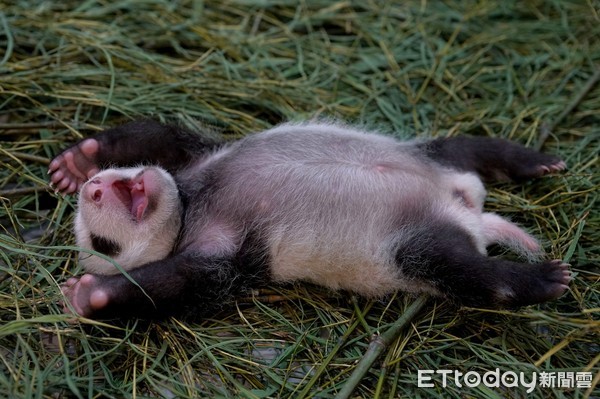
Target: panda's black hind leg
(451,264)
(491,158)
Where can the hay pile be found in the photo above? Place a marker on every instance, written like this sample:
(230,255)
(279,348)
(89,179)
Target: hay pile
(519,70)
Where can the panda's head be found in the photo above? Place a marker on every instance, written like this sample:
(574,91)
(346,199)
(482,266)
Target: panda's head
(132,215)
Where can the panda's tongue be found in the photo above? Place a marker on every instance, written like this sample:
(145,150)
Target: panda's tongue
(139,201)
(133,196)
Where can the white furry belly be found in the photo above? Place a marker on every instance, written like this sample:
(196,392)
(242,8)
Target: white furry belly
(350,264)
(356,266)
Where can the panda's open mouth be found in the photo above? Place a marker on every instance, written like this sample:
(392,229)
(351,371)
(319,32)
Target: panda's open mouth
(133,195)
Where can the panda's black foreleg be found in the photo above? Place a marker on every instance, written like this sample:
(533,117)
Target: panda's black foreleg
(182,284)
(144,142)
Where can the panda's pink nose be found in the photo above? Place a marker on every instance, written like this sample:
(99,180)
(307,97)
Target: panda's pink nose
(97,196)
(94,190)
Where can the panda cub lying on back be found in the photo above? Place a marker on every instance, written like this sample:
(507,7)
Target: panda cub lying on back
(199,222)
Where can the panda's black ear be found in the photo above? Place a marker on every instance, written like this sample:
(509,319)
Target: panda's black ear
(105,246)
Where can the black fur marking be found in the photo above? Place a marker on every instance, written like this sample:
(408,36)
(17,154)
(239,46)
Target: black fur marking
(105,246)
(151,143)
(186,284)
(491,158)
(449,261)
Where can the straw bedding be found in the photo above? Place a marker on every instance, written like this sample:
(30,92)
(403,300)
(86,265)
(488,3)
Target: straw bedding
(526,71)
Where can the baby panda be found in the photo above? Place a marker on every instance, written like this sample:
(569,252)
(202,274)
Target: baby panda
(195,222)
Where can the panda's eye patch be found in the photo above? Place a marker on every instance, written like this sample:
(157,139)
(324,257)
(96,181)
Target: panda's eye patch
(105,246)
